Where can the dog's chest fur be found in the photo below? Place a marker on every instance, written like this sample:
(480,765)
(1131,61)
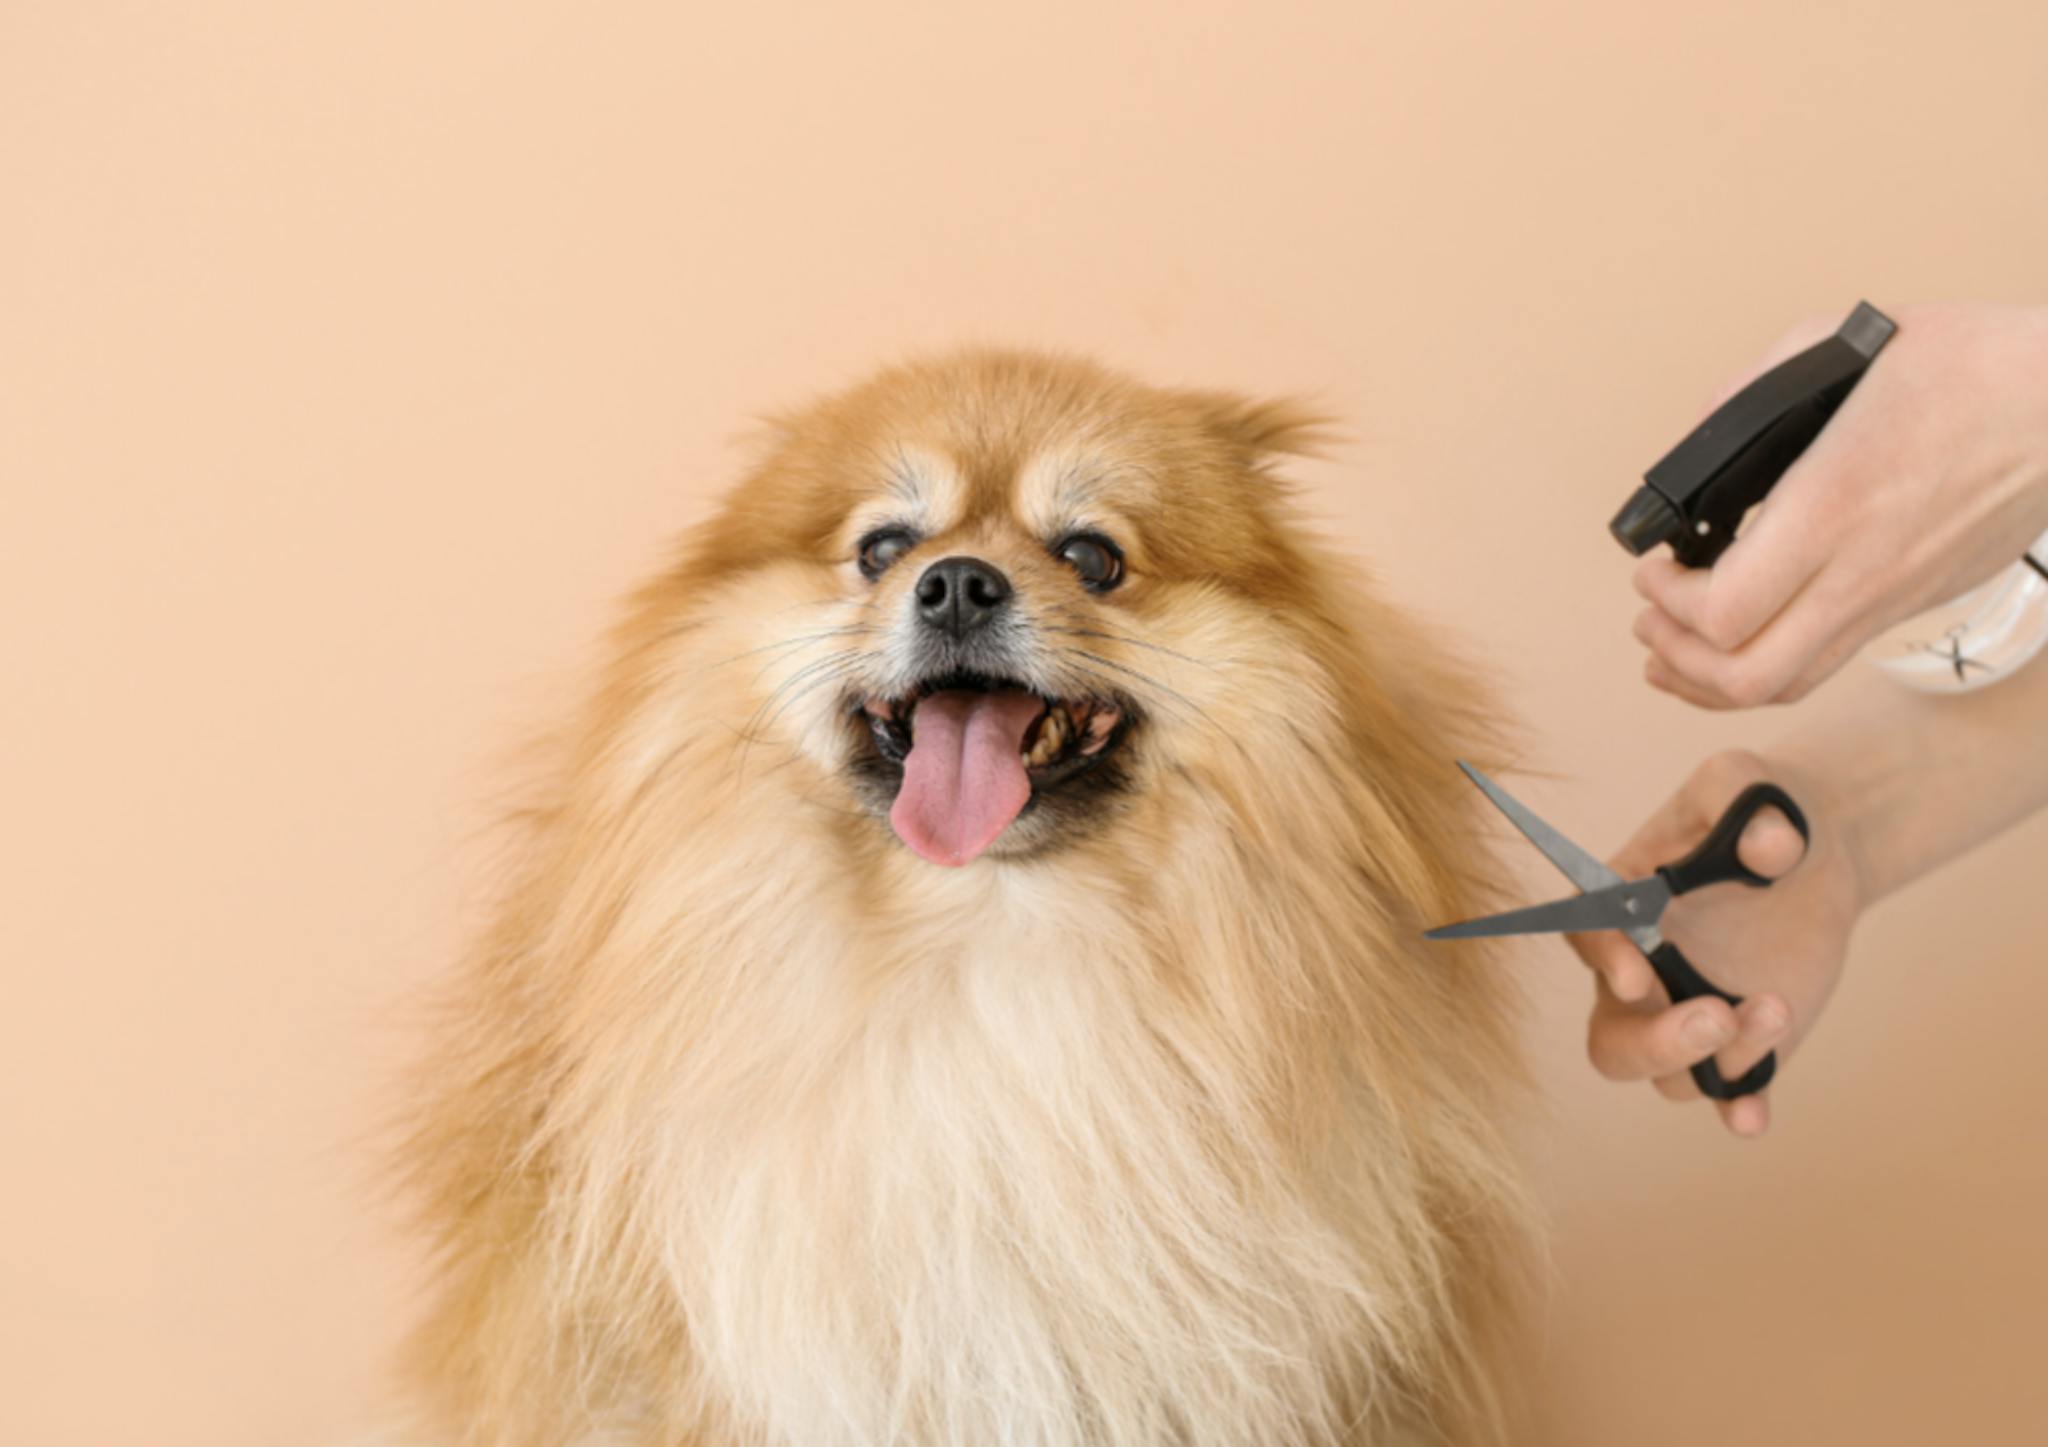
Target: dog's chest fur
(996,1193)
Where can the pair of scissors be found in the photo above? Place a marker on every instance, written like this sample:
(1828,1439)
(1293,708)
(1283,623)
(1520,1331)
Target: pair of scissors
(1633,906)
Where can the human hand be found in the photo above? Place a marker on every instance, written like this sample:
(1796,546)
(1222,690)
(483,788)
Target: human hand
(1780,948)
(1931,478)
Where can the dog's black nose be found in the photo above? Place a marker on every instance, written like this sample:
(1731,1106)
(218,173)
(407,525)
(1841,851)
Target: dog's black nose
(958,595)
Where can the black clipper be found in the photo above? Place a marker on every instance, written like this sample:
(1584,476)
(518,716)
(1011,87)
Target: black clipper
(1695,498)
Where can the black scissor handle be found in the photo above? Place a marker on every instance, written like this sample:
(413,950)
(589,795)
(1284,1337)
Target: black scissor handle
(1715,861)
(1682,982)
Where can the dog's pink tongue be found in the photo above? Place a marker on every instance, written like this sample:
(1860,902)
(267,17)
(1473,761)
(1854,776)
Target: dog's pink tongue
(964,779)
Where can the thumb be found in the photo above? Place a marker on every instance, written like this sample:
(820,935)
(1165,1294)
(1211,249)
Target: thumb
(1770,845)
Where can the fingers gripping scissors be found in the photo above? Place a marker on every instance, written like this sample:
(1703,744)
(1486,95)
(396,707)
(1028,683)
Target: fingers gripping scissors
(1634,906)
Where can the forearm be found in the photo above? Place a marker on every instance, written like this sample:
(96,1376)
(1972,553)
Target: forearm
(1915,780)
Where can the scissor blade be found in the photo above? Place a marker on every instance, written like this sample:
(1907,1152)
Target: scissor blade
(1575,863)
(1620,906)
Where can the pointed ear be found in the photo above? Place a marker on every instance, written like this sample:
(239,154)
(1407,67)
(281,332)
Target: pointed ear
(766,436)
(1262,429)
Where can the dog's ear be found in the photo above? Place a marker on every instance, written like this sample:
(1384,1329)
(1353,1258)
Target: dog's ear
(767,433)
(1264,428)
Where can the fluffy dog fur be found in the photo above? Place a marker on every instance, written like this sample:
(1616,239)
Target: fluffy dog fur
(1158,1125)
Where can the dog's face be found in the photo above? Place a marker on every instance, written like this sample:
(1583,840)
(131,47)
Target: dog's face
(996,596)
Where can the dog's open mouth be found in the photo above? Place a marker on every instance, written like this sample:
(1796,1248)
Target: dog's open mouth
(975,752)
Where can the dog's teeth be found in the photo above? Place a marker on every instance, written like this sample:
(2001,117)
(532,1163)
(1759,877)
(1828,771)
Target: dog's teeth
(1050,738)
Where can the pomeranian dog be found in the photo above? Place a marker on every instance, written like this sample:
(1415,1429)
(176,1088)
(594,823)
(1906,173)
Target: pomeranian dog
(962,982)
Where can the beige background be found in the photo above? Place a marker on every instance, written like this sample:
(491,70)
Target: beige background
(354,358)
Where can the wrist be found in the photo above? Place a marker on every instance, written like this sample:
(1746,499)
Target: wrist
(2036,324)
(2019,374)
(1858,788)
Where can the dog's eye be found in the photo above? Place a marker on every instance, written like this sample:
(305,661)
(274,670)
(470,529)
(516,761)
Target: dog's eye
(1098,561)
(882,547)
